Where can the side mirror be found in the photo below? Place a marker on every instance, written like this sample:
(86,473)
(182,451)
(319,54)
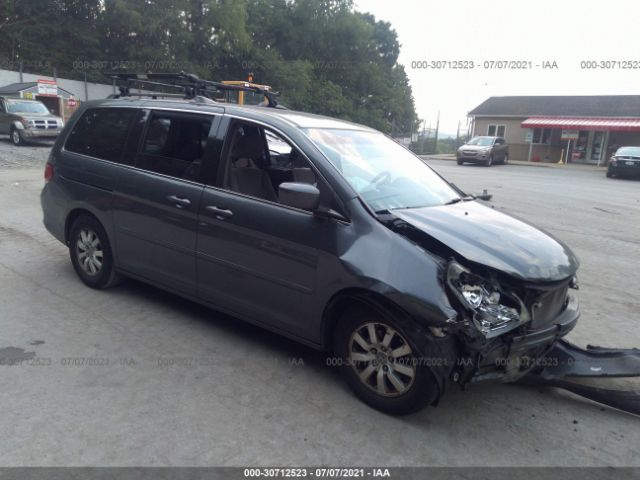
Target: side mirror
(299,195)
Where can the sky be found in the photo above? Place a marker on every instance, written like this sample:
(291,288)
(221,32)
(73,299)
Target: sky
(567,32)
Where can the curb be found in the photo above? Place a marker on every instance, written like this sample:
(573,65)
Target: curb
(589,168)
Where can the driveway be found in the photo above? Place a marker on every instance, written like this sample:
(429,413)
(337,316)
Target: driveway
(135,376)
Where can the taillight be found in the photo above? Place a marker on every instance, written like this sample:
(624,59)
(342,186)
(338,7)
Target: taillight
(48,172)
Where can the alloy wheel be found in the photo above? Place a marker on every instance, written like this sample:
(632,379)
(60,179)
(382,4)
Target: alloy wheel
(15,137)
(89,251)
(382,359)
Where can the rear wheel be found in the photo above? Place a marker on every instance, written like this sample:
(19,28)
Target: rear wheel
(380,362)
(90,253)
(16,137)
(505,160)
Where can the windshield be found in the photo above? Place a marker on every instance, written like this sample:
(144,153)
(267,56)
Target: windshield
(26,107)
(481,141)
(385,174)
(628,152)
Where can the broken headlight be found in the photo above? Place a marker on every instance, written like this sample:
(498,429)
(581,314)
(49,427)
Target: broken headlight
(494,312)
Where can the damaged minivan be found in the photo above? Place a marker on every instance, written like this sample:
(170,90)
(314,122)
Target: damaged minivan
(322,230)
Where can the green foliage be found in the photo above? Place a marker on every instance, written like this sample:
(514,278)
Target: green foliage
(321,55)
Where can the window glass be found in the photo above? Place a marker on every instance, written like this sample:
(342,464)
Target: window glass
(491,131)
(174,144)
(385,174)
(500,131)
(101,133)
(260,160)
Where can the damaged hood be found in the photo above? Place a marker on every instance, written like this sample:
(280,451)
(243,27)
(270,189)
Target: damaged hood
(485,236)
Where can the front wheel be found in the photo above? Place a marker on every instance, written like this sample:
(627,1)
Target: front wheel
(489,161)
(90,253)
(380,362)
(609,174)
(460,162)
(16,137)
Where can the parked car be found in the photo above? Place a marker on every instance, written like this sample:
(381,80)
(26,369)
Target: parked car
(24,120)
(484,150)
(626,161)
(344,241)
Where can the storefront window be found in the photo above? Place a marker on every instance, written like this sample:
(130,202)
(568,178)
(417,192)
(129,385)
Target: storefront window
(541,135)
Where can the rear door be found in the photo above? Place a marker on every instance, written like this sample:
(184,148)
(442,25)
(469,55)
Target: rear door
(157,199)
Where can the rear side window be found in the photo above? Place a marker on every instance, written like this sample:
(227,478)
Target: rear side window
(175,143)
(101,133)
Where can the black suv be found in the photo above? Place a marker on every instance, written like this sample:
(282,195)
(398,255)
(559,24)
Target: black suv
(322,230)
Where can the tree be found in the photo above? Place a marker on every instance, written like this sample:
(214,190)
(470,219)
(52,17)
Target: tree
(322,55)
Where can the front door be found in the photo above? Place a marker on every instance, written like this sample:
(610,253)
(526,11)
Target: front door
(157,201)
(256,257)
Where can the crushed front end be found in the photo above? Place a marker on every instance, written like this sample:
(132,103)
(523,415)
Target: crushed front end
(505,327)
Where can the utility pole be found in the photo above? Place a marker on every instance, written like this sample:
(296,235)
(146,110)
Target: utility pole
(435,140)
(458,135)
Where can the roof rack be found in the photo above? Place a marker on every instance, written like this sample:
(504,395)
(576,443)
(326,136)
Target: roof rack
(189,84)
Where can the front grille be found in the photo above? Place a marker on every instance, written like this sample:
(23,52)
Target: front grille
(45,124)
(469,153)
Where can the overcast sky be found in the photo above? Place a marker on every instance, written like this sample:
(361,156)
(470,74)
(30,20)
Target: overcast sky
(564,31)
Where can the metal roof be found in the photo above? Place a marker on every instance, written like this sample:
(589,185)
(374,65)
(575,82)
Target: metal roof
(19,87)
(564,106)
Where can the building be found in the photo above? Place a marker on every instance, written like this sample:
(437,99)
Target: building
(58,100)
(581,129)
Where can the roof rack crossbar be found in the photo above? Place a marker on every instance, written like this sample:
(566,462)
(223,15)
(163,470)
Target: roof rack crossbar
(190,83)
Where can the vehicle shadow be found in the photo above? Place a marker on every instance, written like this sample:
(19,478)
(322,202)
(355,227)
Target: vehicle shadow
(485,400)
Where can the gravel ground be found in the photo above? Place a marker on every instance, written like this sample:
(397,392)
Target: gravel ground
(136,376)
(31,155)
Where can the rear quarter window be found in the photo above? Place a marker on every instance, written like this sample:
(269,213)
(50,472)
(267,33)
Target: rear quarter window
(101,133)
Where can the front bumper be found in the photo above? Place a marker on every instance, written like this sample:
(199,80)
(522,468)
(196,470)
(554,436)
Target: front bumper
(40,133)
(621,168)
(473,157)
(513,355)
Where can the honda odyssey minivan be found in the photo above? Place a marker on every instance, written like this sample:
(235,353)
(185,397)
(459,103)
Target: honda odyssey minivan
(319,229)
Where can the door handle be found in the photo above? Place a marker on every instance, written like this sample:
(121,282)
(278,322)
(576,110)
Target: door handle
(220,213)
(179,201)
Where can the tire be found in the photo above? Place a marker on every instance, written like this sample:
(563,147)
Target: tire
(16,137)
(459,162)
(397,386)
(609,174)
(90,252)
(489,161)
(505,160)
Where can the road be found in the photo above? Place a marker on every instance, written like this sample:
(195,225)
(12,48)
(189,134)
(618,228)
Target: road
(135,376)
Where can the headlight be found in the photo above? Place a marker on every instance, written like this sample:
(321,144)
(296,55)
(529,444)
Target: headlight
(60,123)
(494,312)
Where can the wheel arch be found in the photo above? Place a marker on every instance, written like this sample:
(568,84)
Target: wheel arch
(361,298)
(72,216)
(444,348)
